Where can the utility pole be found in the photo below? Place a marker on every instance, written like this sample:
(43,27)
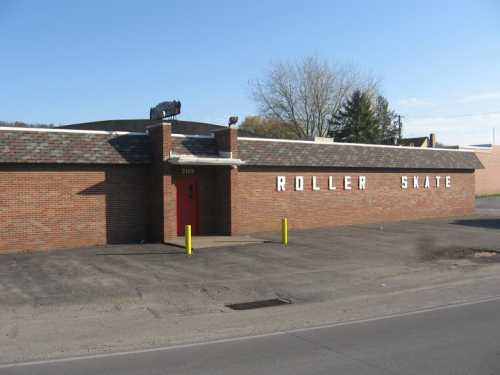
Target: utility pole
(400,126)
(493,136)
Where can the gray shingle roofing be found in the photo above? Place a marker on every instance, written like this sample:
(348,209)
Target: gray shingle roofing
(99,148)
(194,146)
(59,147)
(287,154)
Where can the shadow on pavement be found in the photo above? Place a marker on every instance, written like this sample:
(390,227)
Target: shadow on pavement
(147,253)
(479,223)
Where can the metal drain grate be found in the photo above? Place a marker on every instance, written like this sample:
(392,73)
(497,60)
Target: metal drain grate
(259,304)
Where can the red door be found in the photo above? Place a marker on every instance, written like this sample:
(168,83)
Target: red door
(187,203)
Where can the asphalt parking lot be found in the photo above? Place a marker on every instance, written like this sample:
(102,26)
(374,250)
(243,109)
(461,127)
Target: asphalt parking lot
(304,270)
(151,286)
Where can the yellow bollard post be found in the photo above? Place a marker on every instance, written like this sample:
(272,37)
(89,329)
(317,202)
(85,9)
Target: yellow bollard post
(284,231)
(188,243)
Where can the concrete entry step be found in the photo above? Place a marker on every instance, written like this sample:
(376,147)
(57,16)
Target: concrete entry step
(202,242)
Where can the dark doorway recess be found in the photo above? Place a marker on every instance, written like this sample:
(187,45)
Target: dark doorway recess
(187,204)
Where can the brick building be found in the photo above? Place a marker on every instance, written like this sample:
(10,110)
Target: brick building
(64,188)
(487,178)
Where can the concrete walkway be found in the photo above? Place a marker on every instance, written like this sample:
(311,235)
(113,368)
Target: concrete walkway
(203,242)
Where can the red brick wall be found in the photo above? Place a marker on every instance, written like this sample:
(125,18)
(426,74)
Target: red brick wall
(488,179)
(163,193)
(227,140)
(56,206)
(258,207)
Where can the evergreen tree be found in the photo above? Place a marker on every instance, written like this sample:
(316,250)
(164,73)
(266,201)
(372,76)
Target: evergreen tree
(387,119)
(356,121)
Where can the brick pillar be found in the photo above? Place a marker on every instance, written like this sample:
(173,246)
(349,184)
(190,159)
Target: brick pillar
(227,144)
(227,141)
(163,193)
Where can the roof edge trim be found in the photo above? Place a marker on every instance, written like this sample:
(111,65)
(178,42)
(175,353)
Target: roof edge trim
(349,144)
(192,136)
(73,131)
(199,160)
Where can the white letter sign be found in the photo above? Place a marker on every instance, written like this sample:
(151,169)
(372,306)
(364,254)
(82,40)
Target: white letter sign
(361,182)
(427,183)
(404,182)
(280,183)
(315,184)
(299,183)
(437,180)
(347,182)
(330,183)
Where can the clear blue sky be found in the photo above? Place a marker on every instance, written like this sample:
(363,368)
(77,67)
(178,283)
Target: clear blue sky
(75,61)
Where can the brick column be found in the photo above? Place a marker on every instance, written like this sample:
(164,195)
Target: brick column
(227,144)
(227,141)
(163,193)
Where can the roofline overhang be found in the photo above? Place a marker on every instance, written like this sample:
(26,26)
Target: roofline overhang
(203,160)
(64,130)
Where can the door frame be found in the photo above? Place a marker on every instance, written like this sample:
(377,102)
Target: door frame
(180,182)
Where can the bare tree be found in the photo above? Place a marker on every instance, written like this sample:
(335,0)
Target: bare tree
(307,94)
(267,127)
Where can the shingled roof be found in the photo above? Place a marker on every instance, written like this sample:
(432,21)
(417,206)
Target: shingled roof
(194,146)
(98,147)
(309,154)
(55,146)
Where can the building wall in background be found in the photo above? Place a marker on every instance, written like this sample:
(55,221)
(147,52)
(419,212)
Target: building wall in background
(488,179)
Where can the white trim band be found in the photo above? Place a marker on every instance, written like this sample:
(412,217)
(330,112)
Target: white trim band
(73,131)
(199,160)
(192,136)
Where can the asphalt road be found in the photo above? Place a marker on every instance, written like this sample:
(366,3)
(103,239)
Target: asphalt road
(464,339)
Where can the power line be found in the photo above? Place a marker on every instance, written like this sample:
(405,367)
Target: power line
(454,116)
